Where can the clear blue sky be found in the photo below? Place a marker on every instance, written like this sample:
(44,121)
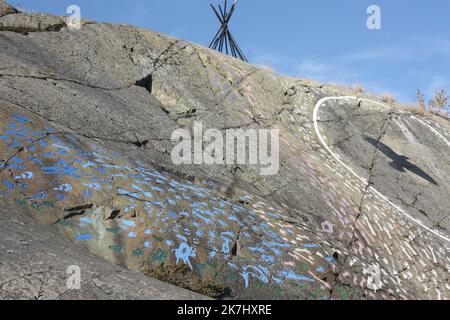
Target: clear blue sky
(325,40)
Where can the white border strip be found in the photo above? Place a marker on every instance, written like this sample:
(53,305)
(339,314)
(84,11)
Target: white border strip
(363,180)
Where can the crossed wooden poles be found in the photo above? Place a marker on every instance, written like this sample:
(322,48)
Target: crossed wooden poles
(223,40)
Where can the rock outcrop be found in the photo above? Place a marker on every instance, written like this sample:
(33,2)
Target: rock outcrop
(359,208)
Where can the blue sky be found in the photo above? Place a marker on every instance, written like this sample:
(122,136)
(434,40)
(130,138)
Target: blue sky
(326,40)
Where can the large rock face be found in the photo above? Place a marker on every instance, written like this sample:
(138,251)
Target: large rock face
(359,208)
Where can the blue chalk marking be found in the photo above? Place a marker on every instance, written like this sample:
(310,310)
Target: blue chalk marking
(310,245)
(267,258)
(59,197)
(56,140)
(66,187)
(277,281)
(26,175)
(20,118)
(86,220)
(88,164)
(199,233)
(257,249)
(184,252)
(181,237)
(157,189)
(14,166)
(275,244)
(15,144)
(19,134)
(87,193)
(40,195)
(58,146)
(184,214)
(222,223)
(227,234)
(61,169)
(296,277)
(34,133)
(94,186)
(172,214)
(259,272)
(84,237)
(320,269)
(126,209)
(195,213)
(16,160)
(49,155)
(8,184)
(329,259)
(129,223)
(226,246)
(5,138)
(34,160)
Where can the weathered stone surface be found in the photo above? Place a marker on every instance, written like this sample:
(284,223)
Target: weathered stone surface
(24,23)
(85,127)
(34,262)
(6,9)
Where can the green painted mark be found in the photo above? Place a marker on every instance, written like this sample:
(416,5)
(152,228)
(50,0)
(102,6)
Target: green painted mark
(277,293)
(303,267)
(36,206)
(116,248)
(64,223)
(48,204)
(157,238)
(230,278)
(114,230)
(21,203)
(159,255)
(202,266)
(138,252)
(342,293)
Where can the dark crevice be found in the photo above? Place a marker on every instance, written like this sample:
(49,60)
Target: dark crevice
(114,214)
(146,82)
(75,211)
(79,208)
(369,183)
(141,144)
(27,30)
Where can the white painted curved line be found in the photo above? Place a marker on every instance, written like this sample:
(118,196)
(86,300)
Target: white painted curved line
(432,129)
(319,104)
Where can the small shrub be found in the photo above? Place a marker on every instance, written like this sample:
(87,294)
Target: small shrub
(357,88)
(181,275)
(421,106)
(388,99)
(414,109)
(440,102)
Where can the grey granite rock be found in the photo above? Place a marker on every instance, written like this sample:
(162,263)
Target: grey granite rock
(86,122)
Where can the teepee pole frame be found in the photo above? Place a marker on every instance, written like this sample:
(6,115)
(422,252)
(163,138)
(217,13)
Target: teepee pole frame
(223,41)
